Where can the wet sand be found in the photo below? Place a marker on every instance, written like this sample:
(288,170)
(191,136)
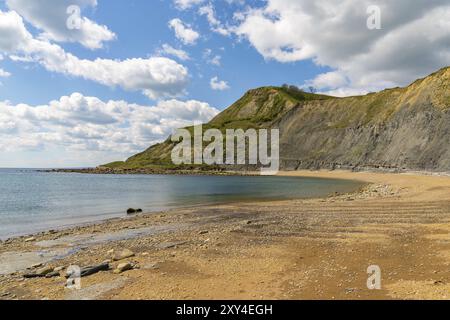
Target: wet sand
(296,249)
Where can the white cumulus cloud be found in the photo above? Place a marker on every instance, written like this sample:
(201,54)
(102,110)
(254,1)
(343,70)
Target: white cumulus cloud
(186,4)
(413,41)
(156,77)
(184,32)
(211,58)
(51,18)
(219,85)
(328,80)
(4,74)
(167,49)
(77,122)
(215,24)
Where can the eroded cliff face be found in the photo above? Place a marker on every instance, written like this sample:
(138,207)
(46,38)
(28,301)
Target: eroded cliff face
(396,129)
(406,129)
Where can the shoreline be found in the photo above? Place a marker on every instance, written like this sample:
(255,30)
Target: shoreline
(154,171)
(239,171)
(397,220)
(112,216)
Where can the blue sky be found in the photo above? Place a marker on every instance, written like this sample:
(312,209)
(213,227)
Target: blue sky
(135,70)
(240,66)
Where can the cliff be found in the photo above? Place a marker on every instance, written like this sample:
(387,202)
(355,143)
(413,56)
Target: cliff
(401,128)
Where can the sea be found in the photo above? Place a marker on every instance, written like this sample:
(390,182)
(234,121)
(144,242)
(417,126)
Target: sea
(32,201)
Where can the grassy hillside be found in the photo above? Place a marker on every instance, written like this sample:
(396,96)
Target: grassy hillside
(402,128)
(258,108)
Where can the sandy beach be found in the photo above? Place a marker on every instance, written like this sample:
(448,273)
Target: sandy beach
(296,249)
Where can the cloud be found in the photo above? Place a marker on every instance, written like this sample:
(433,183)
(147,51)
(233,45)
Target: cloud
(212,59)
(51,18)
(328,80)
(215,24)
(183,32)
(156,77)
(216,60)
(413,41)
(171,51)
(186,4)
(13,34)
(219,85)
(77,122)
(4,74)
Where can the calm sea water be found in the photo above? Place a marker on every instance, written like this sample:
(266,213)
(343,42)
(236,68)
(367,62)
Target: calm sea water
(32,201)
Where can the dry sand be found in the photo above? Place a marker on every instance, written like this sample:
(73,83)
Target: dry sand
(297,249)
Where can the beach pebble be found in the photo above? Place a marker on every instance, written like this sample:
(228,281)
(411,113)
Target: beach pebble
(170,245)
(31,239)
(52,274)
(124,254)
(152,266)
(123,267)
(44,271)
(133,211)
